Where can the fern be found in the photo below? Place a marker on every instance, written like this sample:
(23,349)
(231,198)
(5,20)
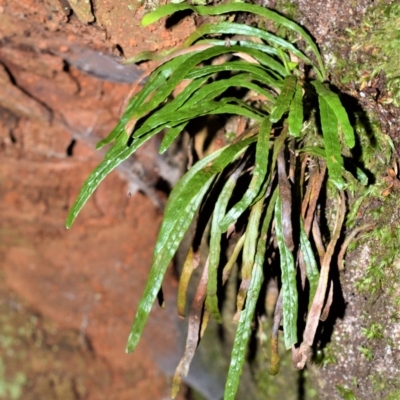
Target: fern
(287,164)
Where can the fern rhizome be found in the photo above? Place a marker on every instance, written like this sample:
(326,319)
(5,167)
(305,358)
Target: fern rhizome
(287,154)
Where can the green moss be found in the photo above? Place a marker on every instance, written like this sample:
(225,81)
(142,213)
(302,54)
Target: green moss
(373,331)
(288,8)
(366,352)
(11,388)
(384,38)
(395,395)
(380,274)
(345,393)
(288,383)
(373,52)
(381,383)
(326,356)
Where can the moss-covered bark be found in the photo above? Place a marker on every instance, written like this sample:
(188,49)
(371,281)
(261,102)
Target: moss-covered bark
(358,352)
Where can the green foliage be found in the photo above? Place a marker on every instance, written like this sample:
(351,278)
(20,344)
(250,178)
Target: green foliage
(11,389)
(366,352)
(385,40)
(378,39)
(374,331)
(345,393)
(379,273)
(280,165)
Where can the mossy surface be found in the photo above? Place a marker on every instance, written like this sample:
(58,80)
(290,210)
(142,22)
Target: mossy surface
(40,360)
(374,53)
(289,383)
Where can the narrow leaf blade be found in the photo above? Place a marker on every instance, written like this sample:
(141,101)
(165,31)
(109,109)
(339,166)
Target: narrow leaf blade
(289,285)
(284,99)
(333,101)
(295,119)
(241,7)
(259,173)
(179,212)
(334,160)
(310,262)
(243,334)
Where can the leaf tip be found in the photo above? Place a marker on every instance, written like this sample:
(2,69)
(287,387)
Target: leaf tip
(129,347)
(70,220)
(132,342)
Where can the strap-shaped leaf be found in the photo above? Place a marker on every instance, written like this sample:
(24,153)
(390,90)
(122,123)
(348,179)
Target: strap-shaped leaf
(214,89)
(261,55)
(239,7)
(215,243)
(226,153)
(157,79)
(259,73)
(320,152)
(278,143)
(333,101)
(179,212)
(312,271)
(170,136)
(184,64)
(178,75)
(249,250)
(243,334)
(161,260)
(259,173)
(232,28)
(181,198)
(115,156)
(265,48)
(120,151)
(289,285)
(334,160)
(163,120)
(184,279)
(135,101)
(295,118)
(246,316)
(182,98)
(284,99)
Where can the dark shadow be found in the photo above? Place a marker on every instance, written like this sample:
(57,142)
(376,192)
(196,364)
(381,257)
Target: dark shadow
(12,137)
(301,382)
(160,297)
(337,310)
(70,149)
(177,17)
(163,186)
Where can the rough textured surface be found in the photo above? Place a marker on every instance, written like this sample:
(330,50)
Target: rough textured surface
(68,298)
(80,286)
